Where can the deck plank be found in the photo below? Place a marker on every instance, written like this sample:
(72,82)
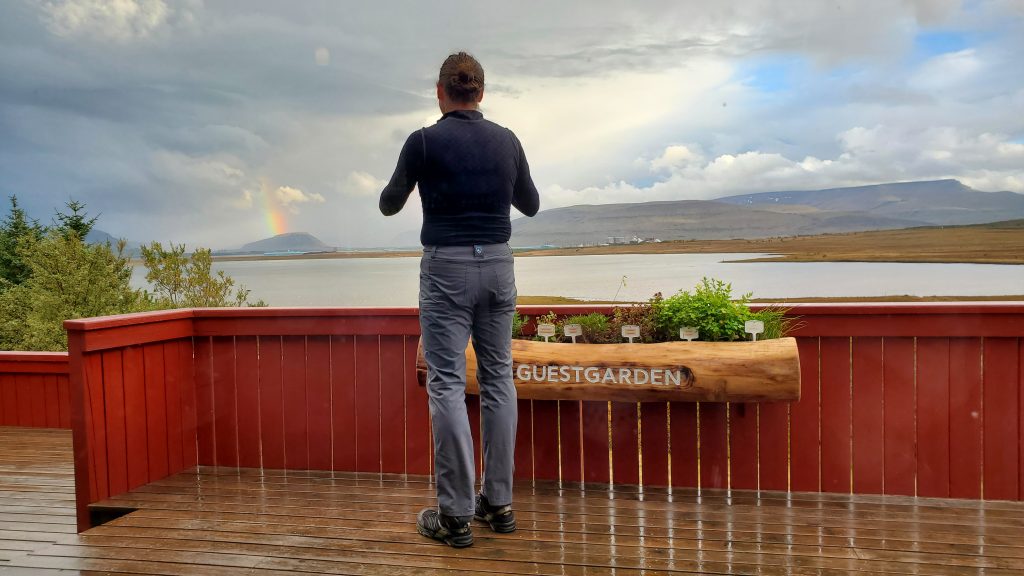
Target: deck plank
(227,521)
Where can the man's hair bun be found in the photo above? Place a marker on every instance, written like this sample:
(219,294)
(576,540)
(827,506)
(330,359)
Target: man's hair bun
(462,78)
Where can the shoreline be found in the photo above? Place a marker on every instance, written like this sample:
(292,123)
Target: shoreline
(981,244)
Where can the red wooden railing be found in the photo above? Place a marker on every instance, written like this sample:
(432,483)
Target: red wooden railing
(34,390)
(897,399)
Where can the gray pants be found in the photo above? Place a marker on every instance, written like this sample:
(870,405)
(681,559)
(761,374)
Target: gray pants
(469,291)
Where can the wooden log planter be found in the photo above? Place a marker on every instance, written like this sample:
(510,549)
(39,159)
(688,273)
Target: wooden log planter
(767,370)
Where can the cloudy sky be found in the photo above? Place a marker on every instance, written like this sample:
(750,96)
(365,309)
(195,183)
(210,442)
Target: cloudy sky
(218,122)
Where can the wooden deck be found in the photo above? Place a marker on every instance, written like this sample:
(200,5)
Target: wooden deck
(217,521)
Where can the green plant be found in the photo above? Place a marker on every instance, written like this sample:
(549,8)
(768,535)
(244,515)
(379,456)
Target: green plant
(709,308)
(596,328)
(518,321)
(550,318)
(188,281)
(641,315)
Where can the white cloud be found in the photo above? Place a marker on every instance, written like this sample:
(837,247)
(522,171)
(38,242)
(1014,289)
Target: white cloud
(288,197)
(867,156)
(118,20)
(361,184)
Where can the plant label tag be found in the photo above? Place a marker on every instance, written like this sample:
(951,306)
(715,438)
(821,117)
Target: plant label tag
(630,331)
(754,327)
(572,331)
(545,331)
(689,333)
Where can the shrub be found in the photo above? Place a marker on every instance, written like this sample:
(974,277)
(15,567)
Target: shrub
(597,329)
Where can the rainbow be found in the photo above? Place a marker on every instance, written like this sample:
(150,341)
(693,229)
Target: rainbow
(274,213)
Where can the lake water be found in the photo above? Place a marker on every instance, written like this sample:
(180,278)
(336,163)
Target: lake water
(394,281)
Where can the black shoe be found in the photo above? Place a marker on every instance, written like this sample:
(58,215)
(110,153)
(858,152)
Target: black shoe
(501,518)
(447,529)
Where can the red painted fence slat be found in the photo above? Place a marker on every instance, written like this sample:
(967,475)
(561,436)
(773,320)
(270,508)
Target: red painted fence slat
(524,441)
(175,417)
(392,407)
(569,440)
(714,445)
(653,443)
(545,440)
(1001,423)
(318,401)
(343,406)
(868,416)
(96,425)
(743,446)
(247,395)
(225,404)
(625,443)
(156,410)
(367,402)
(52,396)
(683,443)
(595,442)
(836,415)
(8,400)
(933,417)
(296,425)
(805,441)
(64,398)
(773,445)
(900,436)
(271,403)
(189,408)
(114,421)
(965,447)
(136,440)
(205,437)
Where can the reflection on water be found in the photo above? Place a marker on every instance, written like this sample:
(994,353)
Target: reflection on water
(394,281)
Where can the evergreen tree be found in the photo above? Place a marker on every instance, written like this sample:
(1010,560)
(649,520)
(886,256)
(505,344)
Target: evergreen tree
(15,227)
(76,222)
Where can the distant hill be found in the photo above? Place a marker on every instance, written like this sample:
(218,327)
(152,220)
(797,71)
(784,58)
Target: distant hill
(941,202)
(289,242)
(771,214)
(100,237)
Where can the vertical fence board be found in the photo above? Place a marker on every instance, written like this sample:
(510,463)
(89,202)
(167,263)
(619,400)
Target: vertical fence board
(545,440)
(96,429)
(714,445)
(569,439)
(1020,411)
(625,443)
(1001,424)
(52,401)
(773,446)
(8,400)
(653,443)
(683,443)
(965,418)
(343,403)
(933,417)
(64,398)
(189,410)
(524,441)
(37,393)
(293,378)
(836,416)
(392,408)
(134,382)
(868,417)
(417,415)
(113,418)
(805,440)
(271,402)
(173,386)
(24,396)
(205,436)
(318,401)
(900,435)
(156,410)
(367,402)
(225,414)
(247,394)
(743,446)
(595,442)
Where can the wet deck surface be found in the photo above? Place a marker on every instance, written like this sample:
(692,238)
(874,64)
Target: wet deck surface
(229,521)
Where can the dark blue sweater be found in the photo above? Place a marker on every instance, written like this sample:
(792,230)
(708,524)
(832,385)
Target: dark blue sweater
(469,171)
